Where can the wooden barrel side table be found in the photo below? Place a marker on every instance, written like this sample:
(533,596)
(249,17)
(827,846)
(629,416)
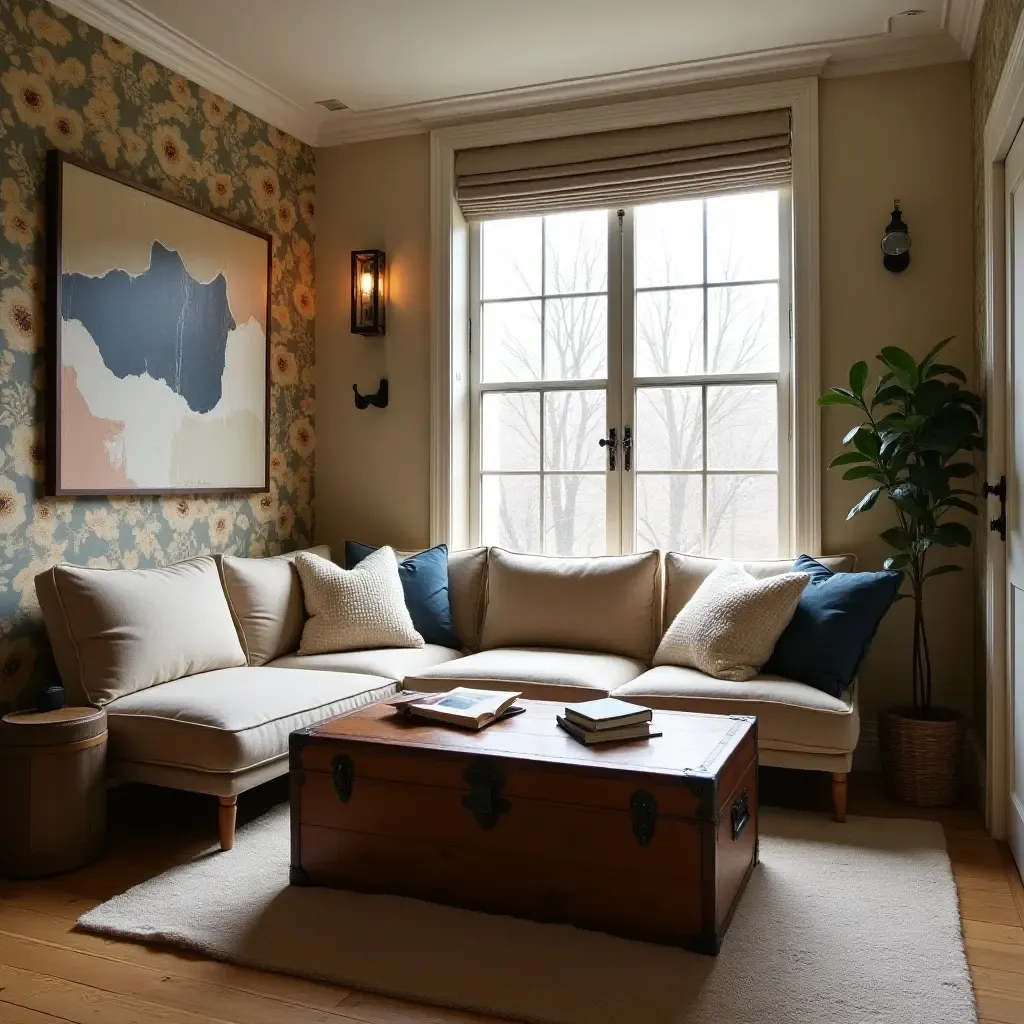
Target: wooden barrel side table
(53,798)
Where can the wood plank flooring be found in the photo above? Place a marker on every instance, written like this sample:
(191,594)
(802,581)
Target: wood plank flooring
(51,974)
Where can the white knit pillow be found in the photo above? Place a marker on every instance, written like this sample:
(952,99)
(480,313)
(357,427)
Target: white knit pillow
(354,609)
(730,626)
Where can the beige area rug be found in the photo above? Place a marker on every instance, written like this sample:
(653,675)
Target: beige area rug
(840,924)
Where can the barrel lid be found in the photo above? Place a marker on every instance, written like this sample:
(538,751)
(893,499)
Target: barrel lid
(45,728)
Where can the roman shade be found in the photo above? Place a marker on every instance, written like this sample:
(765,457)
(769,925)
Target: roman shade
(634,165)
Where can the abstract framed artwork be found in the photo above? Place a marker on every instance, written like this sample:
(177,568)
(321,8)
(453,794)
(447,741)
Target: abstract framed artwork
(159,341)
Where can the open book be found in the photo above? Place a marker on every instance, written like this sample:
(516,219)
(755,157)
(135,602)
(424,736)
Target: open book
(471,709)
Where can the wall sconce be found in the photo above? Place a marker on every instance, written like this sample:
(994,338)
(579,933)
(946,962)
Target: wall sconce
(896,242)
(368,297)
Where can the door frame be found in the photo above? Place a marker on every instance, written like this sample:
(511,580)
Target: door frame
(1004,120)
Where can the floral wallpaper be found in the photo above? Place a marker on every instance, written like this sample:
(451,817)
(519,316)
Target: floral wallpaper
(67,85)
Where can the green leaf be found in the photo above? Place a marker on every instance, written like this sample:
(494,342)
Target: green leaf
(858,378)
(935,350)
(896,538)
(864,473)
(851,434)
(846,458)
(865,503)
(893,393)
(906,493)
(952,535)
(929,397)
(866,441)
(901,363)
(958,503)
(896,562)
(837,398)
(890,445)
(944,369)
(941,570)
(958,469)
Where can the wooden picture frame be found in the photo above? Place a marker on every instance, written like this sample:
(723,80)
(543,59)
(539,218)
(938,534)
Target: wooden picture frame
(141,409)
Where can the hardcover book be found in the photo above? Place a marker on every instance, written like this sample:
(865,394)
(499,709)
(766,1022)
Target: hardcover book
(607,713)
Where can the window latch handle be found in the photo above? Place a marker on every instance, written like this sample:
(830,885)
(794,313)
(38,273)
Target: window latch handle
(627,448)
(610,442)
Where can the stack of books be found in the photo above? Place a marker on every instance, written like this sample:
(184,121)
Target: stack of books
(607,721)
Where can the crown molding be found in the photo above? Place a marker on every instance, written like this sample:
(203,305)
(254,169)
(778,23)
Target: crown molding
(962,20)
(859,56)
(158,40)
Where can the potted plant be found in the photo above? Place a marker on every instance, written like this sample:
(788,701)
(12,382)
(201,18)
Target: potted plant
(916,424)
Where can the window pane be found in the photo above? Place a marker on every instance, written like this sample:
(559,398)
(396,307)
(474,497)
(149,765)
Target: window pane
(743,430)
(669,333)
(510,512)
(668,429)
(576,253)
(743,516)
(574,422)
(743,329)
(669,244)
(574,514)
(510,432)
(743,237)
(511,341)
(668,512)
(575,339)
(511,257)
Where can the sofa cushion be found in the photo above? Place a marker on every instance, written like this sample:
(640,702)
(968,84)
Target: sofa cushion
(790,716)
(265,597)
(608,604)
(467,576)
(833,625)
(540,674)
(231,720)
(393,663)
(685,573)
(115,631)
(731,624)
(353,609)
(424,576)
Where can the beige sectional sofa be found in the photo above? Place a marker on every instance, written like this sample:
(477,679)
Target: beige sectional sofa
(197,668)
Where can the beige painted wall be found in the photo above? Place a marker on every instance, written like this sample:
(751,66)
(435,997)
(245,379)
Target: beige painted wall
(905,134)
(373,465)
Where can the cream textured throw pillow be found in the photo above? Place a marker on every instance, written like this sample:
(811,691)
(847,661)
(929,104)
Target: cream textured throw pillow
(730,626)
(354,609)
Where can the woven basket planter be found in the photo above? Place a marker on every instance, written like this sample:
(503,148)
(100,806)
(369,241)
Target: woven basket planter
(921,756)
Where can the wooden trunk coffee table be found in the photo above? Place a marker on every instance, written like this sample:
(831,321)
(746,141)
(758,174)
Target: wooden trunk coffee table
(652,839)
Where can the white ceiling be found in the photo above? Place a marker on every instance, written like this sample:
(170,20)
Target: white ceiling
(397,63)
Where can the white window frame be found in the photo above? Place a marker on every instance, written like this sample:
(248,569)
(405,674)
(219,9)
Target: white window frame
(450,370)
(620,387)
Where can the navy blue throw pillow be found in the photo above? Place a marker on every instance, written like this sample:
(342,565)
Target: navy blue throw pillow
(833,626)
(424,579)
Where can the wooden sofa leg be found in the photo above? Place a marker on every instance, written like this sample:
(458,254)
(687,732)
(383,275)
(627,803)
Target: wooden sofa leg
(839,795)
(226,821)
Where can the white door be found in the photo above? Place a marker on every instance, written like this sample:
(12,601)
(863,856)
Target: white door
(1015,473)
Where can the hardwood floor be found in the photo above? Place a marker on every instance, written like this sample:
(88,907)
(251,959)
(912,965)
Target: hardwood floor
(50,973)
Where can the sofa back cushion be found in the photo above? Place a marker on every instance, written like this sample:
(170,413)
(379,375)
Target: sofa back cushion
(685,573)
(116,631)
(265,597)
(609,604)
(467,578)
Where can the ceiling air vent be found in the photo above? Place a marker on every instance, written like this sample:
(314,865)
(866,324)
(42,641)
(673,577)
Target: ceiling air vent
(332,105)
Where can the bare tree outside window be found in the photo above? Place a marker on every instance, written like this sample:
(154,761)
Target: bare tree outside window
(706,305)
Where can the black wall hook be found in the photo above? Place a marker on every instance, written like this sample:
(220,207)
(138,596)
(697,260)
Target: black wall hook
(378,400)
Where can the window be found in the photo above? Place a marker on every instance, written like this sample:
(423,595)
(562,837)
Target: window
(630,379)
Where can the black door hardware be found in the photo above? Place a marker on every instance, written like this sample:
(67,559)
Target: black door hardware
(643,811)
(997,490)
(610,442)
(627,449)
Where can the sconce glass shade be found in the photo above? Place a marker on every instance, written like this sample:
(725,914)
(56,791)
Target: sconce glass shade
(368,299)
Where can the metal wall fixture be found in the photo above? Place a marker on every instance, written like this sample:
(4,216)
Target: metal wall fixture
(896,242)
(368,292)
